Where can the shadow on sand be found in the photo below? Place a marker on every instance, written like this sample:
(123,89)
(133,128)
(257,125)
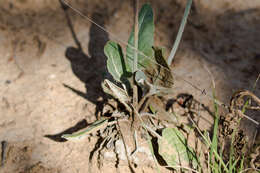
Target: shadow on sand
(90,69)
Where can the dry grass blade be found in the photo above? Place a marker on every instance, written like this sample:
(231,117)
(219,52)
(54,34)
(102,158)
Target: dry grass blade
(118,93)
(239,95)
(254,157)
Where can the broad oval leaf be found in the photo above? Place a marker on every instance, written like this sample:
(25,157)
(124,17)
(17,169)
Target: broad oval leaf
(115,61)
(174,149)
(145,39)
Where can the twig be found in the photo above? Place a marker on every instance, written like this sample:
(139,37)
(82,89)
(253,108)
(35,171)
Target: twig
(245,170)
(211,76)
(127,156)
(136,144)
(3,152)
(241,94)
(152,131)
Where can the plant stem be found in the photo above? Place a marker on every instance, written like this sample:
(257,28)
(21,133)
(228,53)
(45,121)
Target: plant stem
(135,68)
(180,32)
(214,145)
(136,31)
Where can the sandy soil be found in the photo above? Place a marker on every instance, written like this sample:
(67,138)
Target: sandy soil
(50,78)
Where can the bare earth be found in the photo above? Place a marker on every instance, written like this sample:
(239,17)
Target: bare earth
(48,86)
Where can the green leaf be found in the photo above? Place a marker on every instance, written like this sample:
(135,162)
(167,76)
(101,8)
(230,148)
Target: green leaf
(97,125)
(174,149)
(145,39)
(115,61)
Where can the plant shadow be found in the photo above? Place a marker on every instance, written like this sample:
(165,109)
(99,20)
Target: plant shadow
(90,69)
(57,137)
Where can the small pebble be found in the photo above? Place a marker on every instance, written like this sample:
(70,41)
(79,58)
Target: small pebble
(109,155)
(52,76)
(7,82)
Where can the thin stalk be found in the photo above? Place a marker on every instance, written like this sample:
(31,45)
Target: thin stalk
(180,32)
(234,165)
(209,144)
(241,164)
(136,31)
(214,145)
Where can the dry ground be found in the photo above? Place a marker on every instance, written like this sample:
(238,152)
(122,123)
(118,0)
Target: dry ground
(48,86)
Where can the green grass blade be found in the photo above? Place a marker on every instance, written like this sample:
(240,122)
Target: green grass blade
(233,166)
(241,164)
(214,145)
(208,143)
(219,165)
(97,125)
